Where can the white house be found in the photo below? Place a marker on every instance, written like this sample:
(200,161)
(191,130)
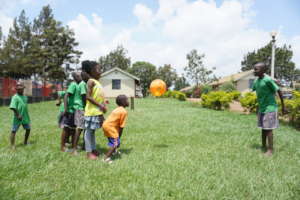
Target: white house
(242,80)
(117,81)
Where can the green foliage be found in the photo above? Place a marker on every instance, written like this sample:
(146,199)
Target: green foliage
(235,95)
(284,66)
(174,94)
(196,70)
(205,89)
(293,108)
(228,86)
(39,48)
(146,72)
(249,102)
(181,82)
(116,58)
(217,100)
(168,74)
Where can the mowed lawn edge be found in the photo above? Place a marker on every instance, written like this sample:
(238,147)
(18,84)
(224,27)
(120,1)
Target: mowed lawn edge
(170,150)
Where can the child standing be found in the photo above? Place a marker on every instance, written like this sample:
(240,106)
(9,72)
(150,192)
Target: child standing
(69,105)
(80,101)
(18,105)
(266,89)
(94,109)
(114,125)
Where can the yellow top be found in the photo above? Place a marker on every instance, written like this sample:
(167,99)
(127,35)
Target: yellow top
(115,121)
(98,95)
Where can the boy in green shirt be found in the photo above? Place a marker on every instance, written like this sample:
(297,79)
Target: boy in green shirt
(266,89)
(80,101)
(18,105)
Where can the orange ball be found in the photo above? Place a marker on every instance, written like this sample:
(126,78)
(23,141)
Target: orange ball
(158,87)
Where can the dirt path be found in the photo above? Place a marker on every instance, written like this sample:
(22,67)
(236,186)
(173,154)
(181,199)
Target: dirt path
(235,106)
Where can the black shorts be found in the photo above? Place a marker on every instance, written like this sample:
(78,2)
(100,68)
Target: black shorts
(68,120)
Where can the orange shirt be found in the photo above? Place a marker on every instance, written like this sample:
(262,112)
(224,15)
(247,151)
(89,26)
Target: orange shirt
(115,121)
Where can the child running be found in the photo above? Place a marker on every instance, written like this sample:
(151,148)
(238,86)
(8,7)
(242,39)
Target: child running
(18,105)
(266,89)
(114,125)
(94,109)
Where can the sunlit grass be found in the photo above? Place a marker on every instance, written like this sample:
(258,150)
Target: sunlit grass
(170,150)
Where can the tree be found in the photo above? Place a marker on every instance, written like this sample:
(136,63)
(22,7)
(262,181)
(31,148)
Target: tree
(54,45)
(167,74)
(146,72)
(181,82)
(196,70)
(116,58)
(284,67)
(14,55)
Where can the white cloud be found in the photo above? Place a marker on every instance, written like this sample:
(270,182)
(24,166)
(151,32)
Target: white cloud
(295,42)
(5,22)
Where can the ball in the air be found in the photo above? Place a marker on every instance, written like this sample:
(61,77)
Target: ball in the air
(158,87)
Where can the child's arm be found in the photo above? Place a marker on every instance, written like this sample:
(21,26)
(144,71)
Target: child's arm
(17,113)
(90,86)
(83,97)
(282,101)
(66,102)
(58,101)
(120,132)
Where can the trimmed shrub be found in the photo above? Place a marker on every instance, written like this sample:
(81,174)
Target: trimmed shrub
(293,108)
(235,95)
(228,87)
(249,102)
(174,94)
(217,100)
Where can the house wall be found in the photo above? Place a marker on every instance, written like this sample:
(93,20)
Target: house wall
(243,85)
(127,85)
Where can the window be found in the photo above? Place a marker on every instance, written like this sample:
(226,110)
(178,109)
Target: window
(116,84)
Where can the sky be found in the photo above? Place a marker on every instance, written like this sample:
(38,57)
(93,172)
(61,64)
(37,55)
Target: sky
(164,31)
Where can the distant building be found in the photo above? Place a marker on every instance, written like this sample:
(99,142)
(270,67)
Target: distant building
(117,81)
(243,81)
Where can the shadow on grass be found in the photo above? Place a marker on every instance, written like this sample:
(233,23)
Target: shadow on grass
(160,146)
(23,145)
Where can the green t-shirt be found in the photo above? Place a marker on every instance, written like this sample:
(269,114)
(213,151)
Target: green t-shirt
(266,90)
(61,94)
(19,102)
(81,90)
(71,98)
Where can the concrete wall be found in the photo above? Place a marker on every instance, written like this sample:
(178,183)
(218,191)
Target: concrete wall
(127,85)
(243,84)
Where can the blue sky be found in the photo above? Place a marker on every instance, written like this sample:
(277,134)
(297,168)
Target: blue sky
(163,31)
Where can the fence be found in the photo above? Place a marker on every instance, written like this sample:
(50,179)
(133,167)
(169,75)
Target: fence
(36,91)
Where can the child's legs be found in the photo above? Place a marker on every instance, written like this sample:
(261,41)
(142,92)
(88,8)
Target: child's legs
(90,141)
(64,135)
(264,138)
(27,132)
(113,144)
(12,137)
(270,139)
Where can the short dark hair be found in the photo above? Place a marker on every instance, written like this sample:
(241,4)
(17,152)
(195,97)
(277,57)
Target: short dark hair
(87,66)
(263,65)
(121,100)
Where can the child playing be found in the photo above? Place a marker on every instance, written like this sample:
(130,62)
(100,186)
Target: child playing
(114,125)
(266,90)
(18,104)
(69,105)
(94,109)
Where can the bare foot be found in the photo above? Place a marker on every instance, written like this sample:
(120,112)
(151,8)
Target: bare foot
(269,153)
(91,156)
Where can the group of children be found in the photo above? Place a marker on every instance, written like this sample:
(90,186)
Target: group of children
(84,105)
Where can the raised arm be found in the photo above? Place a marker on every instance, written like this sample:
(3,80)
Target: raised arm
(90,86)
(282,101)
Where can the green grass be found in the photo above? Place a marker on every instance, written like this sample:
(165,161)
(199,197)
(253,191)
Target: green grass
(171,150)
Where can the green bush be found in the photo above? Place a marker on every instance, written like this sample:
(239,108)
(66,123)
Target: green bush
(217,100)
(205,89)
(293,108)
(235,95)
(228,86)
(174,94)
(249,101)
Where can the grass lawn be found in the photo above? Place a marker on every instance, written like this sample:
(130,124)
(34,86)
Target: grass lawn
(170,150)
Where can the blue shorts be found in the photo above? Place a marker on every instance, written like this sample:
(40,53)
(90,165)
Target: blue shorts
(111,142)
(16,127)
